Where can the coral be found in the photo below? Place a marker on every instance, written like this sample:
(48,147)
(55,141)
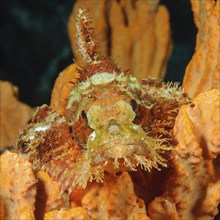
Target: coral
(78,213)
(194,185)
(62,87)
(13,114)
(27,215)
(161,209)
(17,187)
(116,196)
(129,27)
(203,71)
(112,147)
(48,195)
(77,194)
(113,199)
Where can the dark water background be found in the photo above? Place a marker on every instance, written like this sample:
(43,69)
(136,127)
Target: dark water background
(35,47)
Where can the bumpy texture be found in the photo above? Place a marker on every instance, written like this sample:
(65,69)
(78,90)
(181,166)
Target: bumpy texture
(193,187)
(62,87)
(129,27)
(13,114)
(49,144)
(161,209)
(17,187)
(106,124)
(48,195)
(114,199)
(203,71)
(111,141)
(78,213)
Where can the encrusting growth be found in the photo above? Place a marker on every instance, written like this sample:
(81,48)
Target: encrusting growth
(13,114)
(18,187)
(192,190)
(203,71)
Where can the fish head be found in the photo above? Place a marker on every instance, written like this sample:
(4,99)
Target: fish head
(109,102)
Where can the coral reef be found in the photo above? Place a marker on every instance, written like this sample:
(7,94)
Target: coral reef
(190,192)
(48,195)
(193,188)
(203,71)
(161,209)
(78,213)
(18,187)
(117,198)
(13,114)
(129,27)
(103,125)
(112,147)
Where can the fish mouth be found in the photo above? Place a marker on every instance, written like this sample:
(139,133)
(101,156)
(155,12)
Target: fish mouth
(123,148)
(119,149)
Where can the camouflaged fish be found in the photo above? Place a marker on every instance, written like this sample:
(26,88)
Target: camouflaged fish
(112,122)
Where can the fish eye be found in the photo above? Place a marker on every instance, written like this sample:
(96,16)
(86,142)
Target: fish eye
(134,105)
(83,114)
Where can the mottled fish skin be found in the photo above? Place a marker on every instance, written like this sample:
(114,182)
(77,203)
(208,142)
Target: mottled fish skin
(121,130)
(112,122)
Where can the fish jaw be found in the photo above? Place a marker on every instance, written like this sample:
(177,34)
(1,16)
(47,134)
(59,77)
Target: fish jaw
(123,148)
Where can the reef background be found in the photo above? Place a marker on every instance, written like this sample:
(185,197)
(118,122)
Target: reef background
(35,47)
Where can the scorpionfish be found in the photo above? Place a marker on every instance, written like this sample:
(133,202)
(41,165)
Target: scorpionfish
(111,123)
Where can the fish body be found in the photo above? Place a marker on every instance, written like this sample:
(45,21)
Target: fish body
(111,123)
